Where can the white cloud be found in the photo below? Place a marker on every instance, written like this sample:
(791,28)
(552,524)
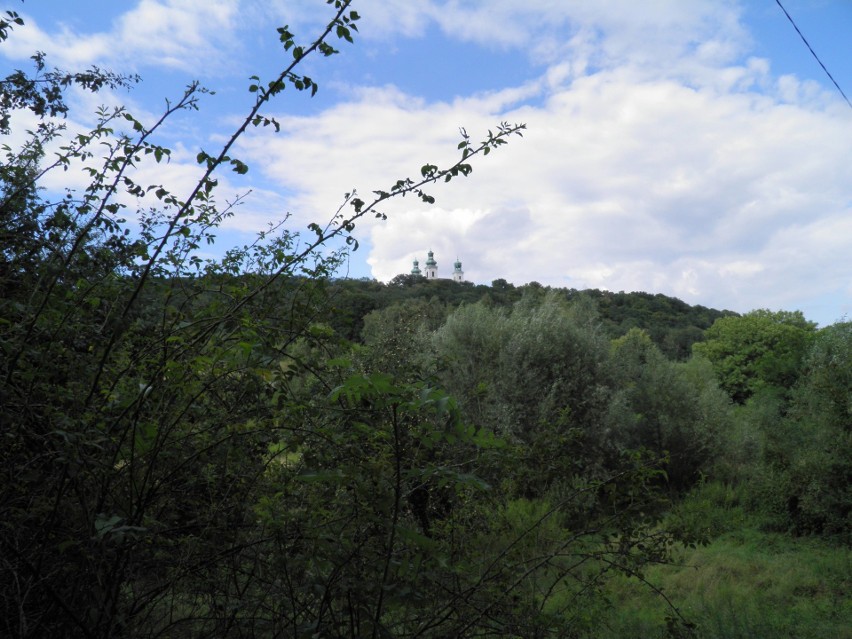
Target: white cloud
(729,189)
(607,32)
(182,34)
(659,155)
(62,48)
(178,34)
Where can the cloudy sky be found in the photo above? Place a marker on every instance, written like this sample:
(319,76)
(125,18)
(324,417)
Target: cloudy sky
(687,147)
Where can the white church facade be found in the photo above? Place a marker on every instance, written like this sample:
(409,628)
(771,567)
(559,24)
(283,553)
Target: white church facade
(430,269)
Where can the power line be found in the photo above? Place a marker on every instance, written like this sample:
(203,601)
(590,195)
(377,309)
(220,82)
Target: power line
(807,44)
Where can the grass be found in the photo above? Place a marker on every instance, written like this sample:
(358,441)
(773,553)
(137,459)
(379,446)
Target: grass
(746,584)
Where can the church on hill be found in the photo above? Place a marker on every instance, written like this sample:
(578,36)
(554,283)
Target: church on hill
(430,270)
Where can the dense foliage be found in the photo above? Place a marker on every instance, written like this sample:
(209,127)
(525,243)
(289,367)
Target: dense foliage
(672,325)
(758,351)
(248,447)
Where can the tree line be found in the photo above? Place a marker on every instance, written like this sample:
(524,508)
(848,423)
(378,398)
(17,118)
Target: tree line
(673,325)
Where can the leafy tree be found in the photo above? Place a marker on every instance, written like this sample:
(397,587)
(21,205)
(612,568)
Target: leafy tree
(352,300)
(672,324)
(469,345)
(145,391)
(536,375)
(759,350)
(807,458)
(449,292)
(397,339)
(673,409)
(360,505)
(828,376)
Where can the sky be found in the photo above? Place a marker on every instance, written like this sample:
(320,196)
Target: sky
(693,148)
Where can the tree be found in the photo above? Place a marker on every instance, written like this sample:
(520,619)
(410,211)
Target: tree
(536,374)
(808,458)
(670,408)
(145,391)
(827,375)
(396,338)
(759,350)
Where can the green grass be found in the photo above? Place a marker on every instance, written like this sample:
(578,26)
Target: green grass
(744,585)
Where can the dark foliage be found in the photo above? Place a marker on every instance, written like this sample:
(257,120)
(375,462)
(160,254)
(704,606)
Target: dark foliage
(673,325)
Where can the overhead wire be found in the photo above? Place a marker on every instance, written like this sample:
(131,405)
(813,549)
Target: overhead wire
(816,57)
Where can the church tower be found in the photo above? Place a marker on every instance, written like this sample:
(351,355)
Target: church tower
(458,274)
(431,267)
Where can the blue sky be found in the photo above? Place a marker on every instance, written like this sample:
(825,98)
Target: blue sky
(687,147)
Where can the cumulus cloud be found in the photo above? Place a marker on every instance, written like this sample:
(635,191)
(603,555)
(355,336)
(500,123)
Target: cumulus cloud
(178,34)
(674,164)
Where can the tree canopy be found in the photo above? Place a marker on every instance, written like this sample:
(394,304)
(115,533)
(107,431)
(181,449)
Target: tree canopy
(759,350)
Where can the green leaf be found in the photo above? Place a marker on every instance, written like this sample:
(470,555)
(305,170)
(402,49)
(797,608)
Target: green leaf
(344,33)
(239,166)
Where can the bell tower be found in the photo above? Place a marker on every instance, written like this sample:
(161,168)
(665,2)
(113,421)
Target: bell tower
(458,273)
(431,270)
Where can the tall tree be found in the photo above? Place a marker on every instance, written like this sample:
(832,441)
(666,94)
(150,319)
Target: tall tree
(809,453)
(759,350)
(670,408)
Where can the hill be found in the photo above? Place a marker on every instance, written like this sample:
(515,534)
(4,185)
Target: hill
(672,324)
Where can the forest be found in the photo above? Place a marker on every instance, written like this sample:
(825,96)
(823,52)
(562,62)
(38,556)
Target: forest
(252,446)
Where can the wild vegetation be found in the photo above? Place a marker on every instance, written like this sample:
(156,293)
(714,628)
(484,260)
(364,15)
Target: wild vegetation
(248,447)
